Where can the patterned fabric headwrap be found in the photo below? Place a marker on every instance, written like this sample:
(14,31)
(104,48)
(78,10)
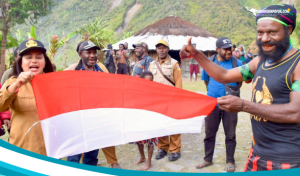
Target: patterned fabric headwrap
(282,13)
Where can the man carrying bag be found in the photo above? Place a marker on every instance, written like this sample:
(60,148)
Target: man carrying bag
(215,89)
(166,70)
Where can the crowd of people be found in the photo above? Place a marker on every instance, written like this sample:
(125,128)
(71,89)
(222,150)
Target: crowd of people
(244,57)
(273,109)
(123,62)
(165,70)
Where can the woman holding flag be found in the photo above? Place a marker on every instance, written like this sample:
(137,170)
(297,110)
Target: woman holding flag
(17,96)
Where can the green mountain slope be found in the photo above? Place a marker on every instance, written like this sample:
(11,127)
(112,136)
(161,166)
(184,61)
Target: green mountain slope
(220,17)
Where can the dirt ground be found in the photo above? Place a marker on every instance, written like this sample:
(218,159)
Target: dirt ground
(192,150)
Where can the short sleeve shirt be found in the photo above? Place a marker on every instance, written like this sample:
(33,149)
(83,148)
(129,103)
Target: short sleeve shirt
(214,88)
(142,65)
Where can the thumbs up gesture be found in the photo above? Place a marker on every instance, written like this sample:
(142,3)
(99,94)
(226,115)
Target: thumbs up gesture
(188,51)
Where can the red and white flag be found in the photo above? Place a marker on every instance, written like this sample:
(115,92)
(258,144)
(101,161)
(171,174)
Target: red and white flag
(82,111)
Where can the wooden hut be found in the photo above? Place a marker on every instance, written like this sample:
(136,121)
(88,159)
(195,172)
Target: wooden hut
(176,32)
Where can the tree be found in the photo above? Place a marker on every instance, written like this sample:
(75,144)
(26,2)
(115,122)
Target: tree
(18,12)
(11,43)
(99,33)
(14,42)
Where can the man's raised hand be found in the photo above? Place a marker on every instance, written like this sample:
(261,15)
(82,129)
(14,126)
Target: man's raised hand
(188,51)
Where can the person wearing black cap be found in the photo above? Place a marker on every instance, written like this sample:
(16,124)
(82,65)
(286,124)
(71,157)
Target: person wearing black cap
(274,107)
(88,54)
(73,66)
(144,60)
(87,51)
(78,45)
(215,89)
(17,96)
(110,59)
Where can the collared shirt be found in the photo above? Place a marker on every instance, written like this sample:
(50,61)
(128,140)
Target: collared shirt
(81,67)
(77,66)
(176,73)
(95,68)
(141,65)
(214,88)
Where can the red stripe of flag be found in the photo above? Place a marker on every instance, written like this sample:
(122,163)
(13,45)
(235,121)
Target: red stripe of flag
(286,166)
(254,168)
(269,165)
(68,91)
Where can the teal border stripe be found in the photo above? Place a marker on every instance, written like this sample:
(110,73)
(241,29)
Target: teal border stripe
(7,172)
(132,172)
(11,169)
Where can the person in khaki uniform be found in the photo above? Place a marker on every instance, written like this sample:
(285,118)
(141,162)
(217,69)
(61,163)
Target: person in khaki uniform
(17,96)
(88,54)
(171,76)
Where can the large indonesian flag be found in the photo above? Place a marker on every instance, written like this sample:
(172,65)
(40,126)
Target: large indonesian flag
(82,110)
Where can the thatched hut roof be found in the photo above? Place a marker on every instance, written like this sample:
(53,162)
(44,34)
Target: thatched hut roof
(173,25)
(176,31)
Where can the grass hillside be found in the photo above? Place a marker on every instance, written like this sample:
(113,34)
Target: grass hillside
(220,17)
